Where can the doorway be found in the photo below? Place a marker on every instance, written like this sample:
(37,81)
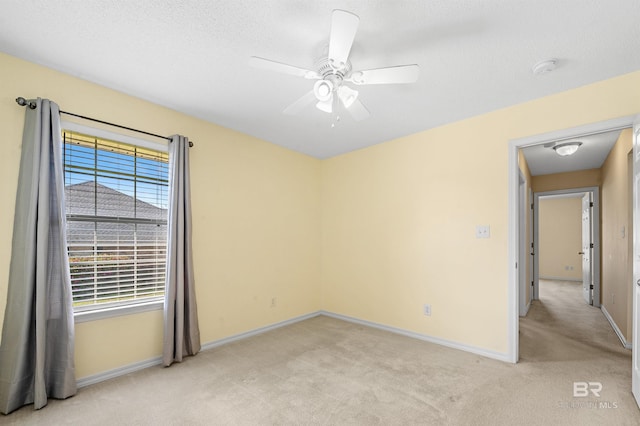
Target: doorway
(585,244)
(514,245)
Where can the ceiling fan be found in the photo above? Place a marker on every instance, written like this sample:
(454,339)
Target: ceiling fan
(334,69)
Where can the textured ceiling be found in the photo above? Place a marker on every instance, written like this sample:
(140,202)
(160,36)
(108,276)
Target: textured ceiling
(192,56)
(543,160)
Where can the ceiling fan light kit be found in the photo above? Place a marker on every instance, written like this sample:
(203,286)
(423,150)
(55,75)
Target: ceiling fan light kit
(323,90)
(347,96)
(567,148)
(335,69)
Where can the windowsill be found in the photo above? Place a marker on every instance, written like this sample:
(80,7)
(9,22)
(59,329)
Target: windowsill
(117,311)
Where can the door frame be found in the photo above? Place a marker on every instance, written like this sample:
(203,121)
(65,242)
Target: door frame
(523,254)
(529,248)
(635,280)
(595,226)
(513,328)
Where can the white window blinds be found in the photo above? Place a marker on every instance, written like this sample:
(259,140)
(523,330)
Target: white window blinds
(116,206)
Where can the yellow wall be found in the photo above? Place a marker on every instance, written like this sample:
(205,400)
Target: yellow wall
(372,234)
(560,238)
(569,180)
(399,218)
(256,214)
(616,232)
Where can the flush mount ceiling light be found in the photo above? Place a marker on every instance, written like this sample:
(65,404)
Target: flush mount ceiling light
(567,148)
(544,67)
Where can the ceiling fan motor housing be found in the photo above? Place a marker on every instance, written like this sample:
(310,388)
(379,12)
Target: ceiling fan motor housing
(332,78)
(326,69)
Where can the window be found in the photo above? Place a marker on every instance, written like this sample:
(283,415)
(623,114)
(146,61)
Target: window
(116,207)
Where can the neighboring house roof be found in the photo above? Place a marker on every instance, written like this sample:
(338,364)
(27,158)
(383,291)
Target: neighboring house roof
(81,199)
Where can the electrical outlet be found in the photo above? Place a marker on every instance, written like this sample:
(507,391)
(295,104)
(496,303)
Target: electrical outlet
(426,309)
(483,231)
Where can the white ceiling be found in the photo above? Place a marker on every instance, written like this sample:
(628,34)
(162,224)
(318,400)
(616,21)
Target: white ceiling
(543,160)
(475,56)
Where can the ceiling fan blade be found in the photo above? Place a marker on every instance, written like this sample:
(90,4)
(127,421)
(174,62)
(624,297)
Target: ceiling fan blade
(298,105)
(389,75)
(267,64)
(358,111)
(343,31)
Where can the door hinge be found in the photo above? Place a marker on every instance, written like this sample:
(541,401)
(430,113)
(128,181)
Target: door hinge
(591,204)
(591,286)
(591,245)
(531,206)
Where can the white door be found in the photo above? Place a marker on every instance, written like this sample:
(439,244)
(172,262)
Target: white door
(587,251)
(635,343)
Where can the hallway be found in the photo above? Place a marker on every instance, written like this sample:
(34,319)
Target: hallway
(561,326)
(573,342)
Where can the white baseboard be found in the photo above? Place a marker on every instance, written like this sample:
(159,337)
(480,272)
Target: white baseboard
(259,330)
(624,342)
(120,371)
(443,342)
(577,280)
(526,309)
(116,372)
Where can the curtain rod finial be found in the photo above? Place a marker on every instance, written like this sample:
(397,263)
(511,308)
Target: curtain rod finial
(23,102)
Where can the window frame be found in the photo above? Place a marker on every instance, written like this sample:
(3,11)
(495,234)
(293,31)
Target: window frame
(128,308)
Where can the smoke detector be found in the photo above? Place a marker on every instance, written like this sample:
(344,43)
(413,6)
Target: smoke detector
(544,67)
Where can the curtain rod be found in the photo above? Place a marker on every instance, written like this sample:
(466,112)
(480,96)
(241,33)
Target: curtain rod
(31,104)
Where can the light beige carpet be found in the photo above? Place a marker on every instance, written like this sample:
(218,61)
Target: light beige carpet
(324,371)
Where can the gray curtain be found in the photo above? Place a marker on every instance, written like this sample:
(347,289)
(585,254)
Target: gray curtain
(181,332)
(37,347)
